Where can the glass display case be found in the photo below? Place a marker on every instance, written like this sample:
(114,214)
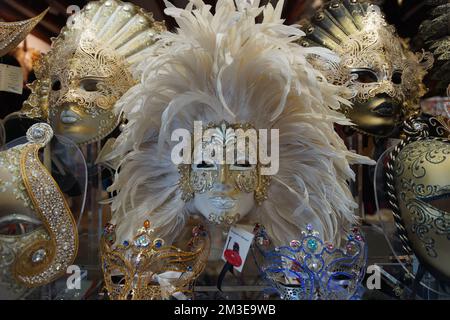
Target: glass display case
(114,157)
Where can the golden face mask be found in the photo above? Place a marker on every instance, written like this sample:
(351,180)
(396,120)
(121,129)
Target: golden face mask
(144,268)
(89,68)
(30,197)
(13,33)
(383,75)
(419,189)
(224,192)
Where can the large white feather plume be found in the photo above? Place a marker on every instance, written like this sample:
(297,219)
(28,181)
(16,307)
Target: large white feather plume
(226,66)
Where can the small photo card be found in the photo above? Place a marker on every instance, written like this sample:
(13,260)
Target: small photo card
(11,79)
(236,247)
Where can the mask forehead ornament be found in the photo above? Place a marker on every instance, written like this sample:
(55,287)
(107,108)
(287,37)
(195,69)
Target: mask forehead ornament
(418,180)
(89,68)
(383,75)
(12,33)
(30,193)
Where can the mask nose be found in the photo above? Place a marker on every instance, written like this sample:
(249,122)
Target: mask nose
(222,183)
(68,97)
(385,89)
(222,187)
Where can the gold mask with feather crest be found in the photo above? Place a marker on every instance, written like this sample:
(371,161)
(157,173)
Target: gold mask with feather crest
(89,68)
(385,77)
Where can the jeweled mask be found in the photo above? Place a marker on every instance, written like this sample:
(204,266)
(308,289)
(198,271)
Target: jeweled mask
(383,75)
(419,186)
(145,268)
(38,234)
(89,68)
(309,268)
(225,187)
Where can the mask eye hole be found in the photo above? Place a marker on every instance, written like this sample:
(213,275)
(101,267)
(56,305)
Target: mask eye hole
(56,85)
(342,279)
(397,77)
(89,85)
(365,76)
(441,202)
(204,165)
(242,165)
(15,225)
(245,164)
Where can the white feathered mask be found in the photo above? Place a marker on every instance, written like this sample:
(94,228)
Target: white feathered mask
(226,67)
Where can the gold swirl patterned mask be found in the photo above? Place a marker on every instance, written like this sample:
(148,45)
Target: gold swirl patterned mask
(38,235)
(383,75)
(89,68)
(224,192)
(85,83)
(422,184)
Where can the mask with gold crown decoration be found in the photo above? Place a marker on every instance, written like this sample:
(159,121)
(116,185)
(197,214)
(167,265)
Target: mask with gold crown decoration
(145,268)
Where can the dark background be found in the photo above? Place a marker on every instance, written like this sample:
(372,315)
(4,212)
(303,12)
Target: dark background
(406,15)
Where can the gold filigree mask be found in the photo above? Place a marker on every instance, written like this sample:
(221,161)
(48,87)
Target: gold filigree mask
(89,69)
(420,189)
(144,268)
(224,192)
(84,84)
(40,253)
(383,75)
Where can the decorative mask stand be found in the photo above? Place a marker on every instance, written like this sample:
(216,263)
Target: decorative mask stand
(90,224)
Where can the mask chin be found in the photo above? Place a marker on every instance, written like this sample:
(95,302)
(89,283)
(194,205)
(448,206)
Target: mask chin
(224,209)
(80,127)
(378,116)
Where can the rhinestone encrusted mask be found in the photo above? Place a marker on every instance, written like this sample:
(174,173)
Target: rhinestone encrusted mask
(311,269)
(41,256)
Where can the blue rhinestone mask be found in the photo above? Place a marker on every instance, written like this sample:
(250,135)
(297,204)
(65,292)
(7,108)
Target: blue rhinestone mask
(310,269)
